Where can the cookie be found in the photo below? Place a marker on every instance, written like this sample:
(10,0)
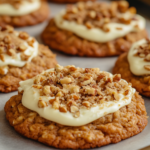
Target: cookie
(67,95)
(23,13)
(67,1)
(86,30)
(137,71)
(15,64)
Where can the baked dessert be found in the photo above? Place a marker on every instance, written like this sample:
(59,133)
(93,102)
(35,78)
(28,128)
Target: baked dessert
(68,1)
(20,13)
(95,29)
(21,58)
(76,108)
(134,66)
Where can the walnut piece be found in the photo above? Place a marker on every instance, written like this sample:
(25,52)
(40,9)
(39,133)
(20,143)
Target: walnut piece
(42,104)
(72,89)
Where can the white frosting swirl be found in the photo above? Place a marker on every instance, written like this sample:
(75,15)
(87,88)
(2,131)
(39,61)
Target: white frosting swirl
(137,63)
(25,8)
(31,97)
(98,35)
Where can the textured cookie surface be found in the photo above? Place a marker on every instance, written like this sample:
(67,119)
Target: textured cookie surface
(112,128)
(44,60)
(33,18)
(141,83)
(69,43)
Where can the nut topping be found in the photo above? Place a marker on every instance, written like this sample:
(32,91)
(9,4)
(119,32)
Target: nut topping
(147,67)
(13,43)
(143,52)
(74,88)
(42,104)
(98,15)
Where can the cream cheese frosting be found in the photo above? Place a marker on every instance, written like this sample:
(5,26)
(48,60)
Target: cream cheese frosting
(137,63)
(31,96)
(26,7)
(98,35)
(31,51)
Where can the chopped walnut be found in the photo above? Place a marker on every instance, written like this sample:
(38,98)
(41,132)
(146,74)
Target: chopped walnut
(72,88)
(2,57)
(3,70)
(2,49)
(99,14)
(63,108)
(74,109)
(8,29)
(147,67)
(24,35)
(22,48)
(116,77)
(46,90)
(65,80)
(12,43)
(7,39)
(123,6)
(11,52)
(56,104)
(143,51)
(31,42)
(24,57)
(42,104)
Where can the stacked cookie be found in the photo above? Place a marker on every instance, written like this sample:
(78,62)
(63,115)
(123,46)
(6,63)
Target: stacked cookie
(69,107)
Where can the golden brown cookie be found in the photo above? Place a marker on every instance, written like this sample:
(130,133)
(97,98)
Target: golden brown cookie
(9,80)
(69,91)
(128,121)
(33,18)
(93,16)
(67,1)
(140,83)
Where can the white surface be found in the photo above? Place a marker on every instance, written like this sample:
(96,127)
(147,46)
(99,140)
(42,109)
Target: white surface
(11,140)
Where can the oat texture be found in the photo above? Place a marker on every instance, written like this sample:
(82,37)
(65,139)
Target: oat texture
(44,60)
(33,18)
(69,43)
(112,128)
(141,83)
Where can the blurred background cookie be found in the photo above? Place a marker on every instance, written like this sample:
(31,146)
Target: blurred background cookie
(21,58)
(95,29)
(134,66)
(20,13)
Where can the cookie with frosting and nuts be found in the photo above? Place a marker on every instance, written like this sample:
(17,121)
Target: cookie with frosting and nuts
(95,29)
(134,66)
(76,108)
(21,58)
(68,1)
(20,13)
